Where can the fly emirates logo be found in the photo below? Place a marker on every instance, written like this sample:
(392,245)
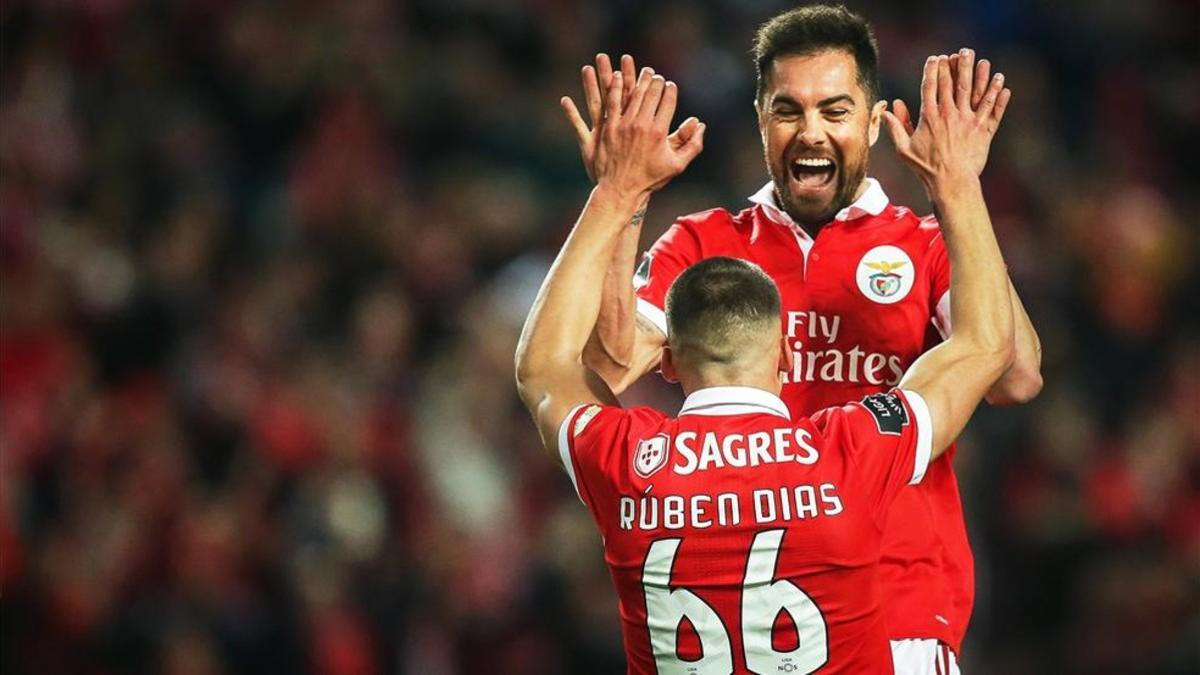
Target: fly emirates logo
(812,336)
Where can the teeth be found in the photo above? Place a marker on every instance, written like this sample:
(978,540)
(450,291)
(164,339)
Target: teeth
(819,163)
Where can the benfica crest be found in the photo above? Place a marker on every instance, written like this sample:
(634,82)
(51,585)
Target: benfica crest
(885,274)
(651,455)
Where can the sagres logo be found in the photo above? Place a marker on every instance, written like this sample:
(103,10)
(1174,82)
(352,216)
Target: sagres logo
(885,274)
(651,455)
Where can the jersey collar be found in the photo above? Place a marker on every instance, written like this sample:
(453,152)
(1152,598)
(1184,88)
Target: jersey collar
(733,401)
(872,202)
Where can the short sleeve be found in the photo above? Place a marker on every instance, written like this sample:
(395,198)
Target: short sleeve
(939,288)
(589,438)
(887,438)
(675,251)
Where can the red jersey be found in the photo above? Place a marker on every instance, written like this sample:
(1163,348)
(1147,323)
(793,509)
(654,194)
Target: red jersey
(861,302)
(740,539)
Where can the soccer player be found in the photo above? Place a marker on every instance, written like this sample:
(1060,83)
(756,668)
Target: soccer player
(740,539)
(863,282)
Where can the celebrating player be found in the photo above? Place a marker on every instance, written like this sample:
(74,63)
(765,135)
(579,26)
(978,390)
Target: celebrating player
(741,539)
(861,280)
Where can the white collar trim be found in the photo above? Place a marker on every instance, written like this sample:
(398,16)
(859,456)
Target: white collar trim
(872,202)
(734,401)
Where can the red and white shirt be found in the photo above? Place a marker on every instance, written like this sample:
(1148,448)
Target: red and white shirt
(741,539)
(861,301)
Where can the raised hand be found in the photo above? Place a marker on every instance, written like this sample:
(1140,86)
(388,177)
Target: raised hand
(633,151)
(596,82)
(961,109)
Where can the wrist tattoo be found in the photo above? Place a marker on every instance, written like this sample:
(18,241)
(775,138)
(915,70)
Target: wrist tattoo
(637,218)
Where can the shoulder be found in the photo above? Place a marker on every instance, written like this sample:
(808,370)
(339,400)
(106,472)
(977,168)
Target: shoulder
(902,225)
(709,219)
(926,228)
(704,229)
(596,417)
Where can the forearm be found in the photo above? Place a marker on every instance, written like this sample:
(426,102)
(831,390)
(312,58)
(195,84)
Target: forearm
(1022,382)
(954,376)
(568,303)
(980,305)
(611,343)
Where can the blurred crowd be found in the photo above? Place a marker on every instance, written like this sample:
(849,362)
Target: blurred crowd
(262,268)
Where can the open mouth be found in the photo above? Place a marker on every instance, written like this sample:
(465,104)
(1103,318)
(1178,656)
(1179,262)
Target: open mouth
(812,173)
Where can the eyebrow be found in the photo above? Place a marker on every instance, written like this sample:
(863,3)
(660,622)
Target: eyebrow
(785,99)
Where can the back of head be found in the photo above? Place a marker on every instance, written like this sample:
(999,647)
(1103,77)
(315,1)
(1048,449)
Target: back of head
(816,28)
(723,313)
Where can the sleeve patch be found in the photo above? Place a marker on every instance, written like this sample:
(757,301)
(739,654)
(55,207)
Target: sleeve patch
(888,411)
(641,276)
(584,417)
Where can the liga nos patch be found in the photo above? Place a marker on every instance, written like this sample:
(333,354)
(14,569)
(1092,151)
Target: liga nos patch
(888,411)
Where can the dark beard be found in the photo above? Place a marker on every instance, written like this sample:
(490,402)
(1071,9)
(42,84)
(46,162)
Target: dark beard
(843,197)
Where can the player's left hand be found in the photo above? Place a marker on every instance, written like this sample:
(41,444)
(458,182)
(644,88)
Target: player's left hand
(634,154)
(961,110)
(596,83)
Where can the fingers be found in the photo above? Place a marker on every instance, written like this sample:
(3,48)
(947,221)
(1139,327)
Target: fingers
(1001,106)
(945,85)
(963,81)
(666,107)
(581,128)
(929,103)
(634,104)
(654,94)
(612,104)
(991,97)
(983,72)
(900,110)
(604,70)
(897,130)
(683,134)
(592,95)
(604,73)
(628,74)
(694,144)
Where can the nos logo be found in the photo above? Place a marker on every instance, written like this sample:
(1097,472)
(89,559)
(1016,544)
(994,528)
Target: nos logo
(651,455)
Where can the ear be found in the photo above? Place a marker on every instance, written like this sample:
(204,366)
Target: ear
(760,117)
(876,118)
(787,358)
(667,364)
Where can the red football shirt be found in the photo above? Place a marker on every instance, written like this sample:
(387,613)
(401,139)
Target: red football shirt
(740,540)
(861,302)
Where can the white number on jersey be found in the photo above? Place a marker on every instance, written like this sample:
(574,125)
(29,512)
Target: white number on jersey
(667,607)
(763,598)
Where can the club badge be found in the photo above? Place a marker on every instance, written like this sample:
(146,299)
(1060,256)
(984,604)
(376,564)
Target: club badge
(885,274)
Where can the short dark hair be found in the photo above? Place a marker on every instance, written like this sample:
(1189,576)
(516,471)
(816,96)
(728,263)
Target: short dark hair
(713,303)
(816,28)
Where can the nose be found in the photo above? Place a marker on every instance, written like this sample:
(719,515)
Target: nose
(811,133)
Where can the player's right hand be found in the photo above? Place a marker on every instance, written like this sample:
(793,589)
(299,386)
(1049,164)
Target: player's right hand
(961,110)
(633,150)
(596,82)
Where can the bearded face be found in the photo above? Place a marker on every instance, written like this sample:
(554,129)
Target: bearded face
(817,128)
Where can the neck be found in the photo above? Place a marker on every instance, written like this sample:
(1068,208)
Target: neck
(768,382)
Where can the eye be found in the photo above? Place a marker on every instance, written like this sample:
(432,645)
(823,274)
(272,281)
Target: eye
(837,113)
(785,113)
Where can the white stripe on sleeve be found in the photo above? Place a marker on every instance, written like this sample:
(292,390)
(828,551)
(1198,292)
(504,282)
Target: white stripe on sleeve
(924,434)
(941,316)
(653,314)
(564,448)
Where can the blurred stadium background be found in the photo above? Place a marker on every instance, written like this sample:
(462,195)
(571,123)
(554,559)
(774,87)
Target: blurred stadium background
(262,268)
